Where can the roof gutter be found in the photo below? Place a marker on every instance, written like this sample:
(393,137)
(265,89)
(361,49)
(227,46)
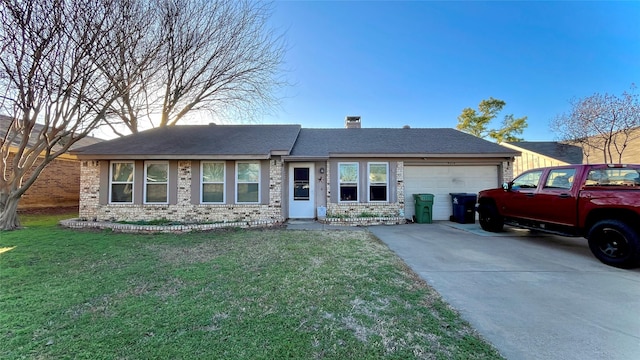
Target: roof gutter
(171,157)
(425,155)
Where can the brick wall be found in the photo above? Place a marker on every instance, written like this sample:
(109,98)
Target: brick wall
(368,213)
(57,186)
(507,171)
(184,210)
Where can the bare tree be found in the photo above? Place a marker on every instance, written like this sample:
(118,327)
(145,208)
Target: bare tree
(69,66)
(50,87)
(135,42)
(601,124)
(217,56)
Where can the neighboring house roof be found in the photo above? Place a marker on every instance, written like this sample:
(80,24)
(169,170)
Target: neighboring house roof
(404,142)
(570,154)
(197,142)
(5,121)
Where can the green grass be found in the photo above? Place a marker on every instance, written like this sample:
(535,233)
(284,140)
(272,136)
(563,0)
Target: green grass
(241,294)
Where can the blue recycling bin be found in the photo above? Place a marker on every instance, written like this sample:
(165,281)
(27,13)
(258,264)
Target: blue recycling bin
(464,207)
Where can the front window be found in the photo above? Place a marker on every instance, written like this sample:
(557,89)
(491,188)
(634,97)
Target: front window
(156,175)
(248,182)
(348,181)
(527,180)
(378,181)
(213,176)
(121,182)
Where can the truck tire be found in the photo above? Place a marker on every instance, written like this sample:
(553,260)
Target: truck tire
(489,218)
(615,243)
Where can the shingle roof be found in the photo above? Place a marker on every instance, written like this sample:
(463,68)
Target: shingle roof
(394,142)
(196,141)
(4,126)
(571,154)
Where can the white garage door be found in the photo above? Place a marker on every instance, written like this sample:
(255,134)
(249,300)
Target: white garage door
(442,180)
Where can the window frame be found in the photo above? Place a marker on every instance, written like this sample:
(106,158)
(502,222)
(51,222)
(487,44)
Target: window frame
(238,182)
(132,182)
(145,183)
(386,183)
(224,182)
(356,183)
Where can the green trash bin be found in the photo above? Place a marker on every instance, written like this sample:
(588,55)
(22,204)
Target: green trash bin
(424,206)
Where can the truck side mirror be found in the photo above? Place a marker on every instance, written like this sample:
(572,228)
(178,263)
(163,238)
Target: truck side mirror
(506,186)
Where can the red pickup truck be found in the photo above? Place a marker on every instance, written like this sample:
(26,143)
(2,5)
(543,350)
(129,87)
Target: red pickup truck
(599,202)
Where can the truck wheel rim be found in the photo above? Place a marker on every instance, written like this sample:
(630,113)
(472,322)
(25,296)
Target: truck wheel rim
(612,243)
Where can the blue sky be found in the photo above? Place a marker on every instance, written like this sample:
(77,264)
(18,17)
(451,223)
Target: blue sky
(420,63)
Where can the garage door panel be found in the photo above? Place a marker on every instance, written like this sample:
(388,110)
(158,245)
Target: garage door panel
(443,180)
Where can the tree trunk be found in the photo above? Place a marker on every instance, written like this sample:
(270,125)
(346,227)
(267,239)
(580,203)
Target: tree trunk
(9,213)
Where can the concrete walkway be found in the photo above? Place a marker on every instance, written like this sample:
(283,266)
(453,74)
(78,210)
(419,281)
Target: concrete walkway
(532,295)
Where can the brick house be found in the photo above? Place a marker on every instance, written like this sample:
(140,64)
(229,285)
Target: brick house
(58,183)
(265,174)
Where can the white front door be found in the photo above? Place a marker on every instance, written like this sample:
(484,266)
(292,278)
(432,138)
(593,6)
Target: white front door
(301,191)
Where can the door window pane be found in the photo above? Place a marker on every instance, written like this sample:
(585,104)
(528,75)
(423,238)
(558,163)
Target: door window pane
(560,179)
(527,180)
(301,184)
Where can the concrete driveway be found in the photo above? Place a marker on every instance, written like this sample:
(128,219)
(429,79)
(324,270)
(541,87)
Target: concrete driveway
(533,295)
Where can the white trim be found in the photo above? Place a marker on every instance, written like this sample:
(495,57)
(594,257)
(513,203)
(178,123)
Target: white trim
(386,183)
(111,182)
(357,182)
(237,182)
(144,188)
(224,182)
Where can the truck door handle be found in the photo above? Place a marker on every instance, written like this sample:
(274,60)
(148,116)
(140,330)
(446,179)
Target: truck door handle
(564,196)
(529,194)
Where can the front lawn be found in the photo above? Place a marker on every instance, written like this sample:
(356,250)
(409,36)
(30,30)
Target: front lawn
(246,294)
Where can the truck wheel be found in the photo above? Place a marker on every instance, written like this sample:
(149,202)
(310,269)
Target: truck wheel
(614,243)
(489,218)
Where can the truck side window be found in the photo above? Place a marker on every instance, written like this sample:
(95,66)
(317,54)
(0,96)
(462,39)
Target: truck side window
(560,179)
(632,179)
(613,177)
(528,180)
(596,177)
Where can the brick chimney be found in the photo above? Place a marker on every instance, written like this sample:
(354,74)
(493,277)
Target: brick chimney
(352,122)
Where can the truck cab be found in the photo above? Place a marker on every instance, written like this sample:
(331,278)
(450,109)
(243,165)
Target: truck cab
(573,200)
